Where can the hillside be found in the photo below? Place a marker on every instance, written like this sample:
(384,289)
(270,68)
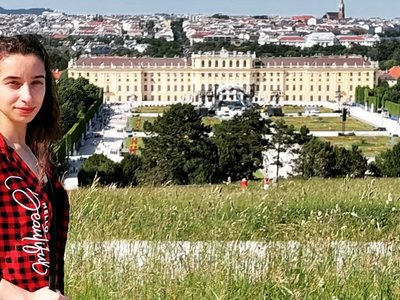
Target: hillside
(304,239)
(21,11)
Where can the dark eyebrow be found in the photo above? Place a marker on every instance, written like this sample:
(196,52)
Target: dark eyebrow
(39,77)
(16,77)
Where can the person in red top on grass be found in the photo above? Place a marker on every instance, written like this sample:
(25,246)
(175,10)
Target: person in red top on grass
(29,124)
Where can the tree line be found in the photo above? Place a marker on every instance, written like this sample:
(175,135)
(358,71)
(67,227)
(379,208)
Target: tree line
(185,151)
(75,97)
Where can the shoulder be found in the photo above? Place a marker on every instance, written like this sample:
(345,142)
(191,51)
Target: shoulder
(7,167)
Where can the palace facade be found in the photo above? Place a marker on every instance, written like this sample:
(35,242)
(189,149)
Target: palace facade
(198,78)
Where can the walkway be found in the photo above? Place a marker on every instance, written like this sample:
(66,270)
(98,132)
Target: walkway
(107,141)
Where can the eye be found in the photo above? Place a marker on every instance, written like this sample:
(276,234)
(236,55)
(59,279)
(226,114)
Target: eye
(37,82)
(13,84)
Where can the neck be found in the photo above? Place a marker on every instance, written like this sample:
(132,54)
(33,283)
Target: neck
(14,138)
(14,133)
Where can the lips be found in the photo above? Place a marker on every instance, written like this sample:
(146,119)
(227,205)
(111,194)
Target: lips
(26,110)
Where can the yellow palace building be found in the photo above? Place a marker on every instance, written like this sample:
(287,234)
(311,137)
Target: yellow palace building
(199,77)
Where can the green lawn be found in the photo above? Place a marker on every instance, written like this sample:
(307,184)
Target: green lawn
(128,141)
(211,121)
(134,121)
(290,109)
(206,120)
(370,146)
(151,109)
(327,123)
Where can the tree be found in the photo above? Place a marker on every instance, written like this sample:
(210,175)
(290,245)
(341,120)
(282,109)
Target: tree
(59,59)
(350,162)
(303,136)
(220,16)
(75,97)
(129,168)
(388,162)
(98,165)
(179,150)
(283,140)
(317,158)
(241,142)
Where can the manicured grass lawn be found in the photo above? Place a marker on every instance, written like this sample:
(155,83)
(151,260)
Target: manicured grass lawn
(258,174)
(327,123)
(134,121)
(290,109)
(370,146)
(151,109)
(139,121)
(128,142)
(211,121)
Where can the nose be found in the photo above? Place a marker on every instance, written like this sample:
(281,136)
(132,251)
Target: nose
(25,93)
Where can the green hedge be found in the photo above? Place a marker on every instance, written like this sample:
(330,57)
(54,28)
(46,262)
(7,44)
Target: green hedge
(65,146)
(94,108)
(372,100)
(60,150)
(360,95)
(393,108)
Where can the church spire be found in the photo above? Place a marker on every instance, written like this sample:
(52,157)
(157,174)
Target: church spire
(341,14)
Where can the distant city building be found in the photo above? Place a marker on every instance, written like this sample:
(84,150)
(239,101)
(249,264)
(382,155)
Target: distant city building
(339,15)
(292,40)
(197,78)
(363,40)
(323,39)
(394,72)
(303,19)
(385,76)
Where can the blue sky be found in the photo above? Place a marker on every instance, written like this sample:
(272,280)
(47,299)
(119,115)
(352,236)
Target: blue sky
(354,8)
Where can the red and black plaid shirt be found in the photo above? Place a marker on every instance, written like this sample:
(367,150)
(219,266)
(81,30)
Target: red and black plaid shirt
(25,214)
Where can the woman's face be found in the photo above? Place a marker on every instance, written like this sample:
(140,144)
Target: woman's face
(22,88)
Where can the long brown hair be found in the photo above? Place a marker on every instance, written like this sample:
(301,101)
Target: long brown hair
(45,128)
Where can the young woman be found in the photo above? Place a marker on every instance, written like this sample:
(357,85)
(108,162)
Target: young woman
(29,123)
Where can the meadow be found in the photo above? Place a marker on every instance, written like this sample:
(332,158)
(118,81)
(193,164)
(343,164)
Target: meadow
(371,146)
(301,239)
(151,109)
(327,123)
(293,109)
(137,122)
